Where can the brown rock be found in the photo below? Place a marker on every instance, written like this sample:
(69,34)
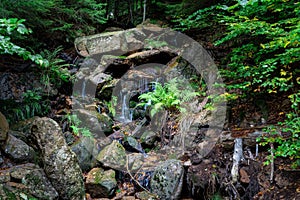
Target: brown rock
(244,177)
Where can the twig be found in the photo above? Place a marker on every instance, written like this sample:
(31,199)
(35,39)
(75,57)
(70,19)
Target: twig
(128,171)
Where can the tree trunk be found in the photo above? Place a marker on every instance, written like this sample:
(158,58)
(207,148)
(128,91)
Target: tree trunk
(144,13)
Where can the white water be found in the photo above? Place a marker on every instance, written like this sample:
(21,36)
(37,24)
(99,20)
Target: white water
(83,92)
(125,111)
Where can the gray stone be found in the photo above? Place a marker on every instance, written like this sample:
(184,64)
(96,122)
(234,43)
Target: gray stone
(86,150)
(4,176)
(100,183)
(135,162)
(103,43)
(35,181)
(113,156)
(106,122)
(4,127)
(18,150)
(26,180)
(60,163)
(148,137)
(167,179)
(98,124)
(145,196)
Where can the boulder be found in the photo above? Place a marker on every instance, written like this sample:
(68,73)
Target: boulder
(98,124)
(113,156)
(100,183)
(87,149)
(167,179)
(18,150)
(108,42)
(84,149)
(148,138)
(60,163)
(27,179)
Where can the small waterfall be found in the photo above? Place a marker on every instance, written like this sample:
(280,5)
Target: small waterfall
(131,115)
(143,85)
(147,104)
(83,88)
(125,111)
(99,109)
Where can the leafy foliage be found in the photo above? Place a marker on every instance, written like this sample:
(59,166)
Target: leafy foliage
(169,96)
(286,135)
(75,125)
(31,105)
(111,105)
(264,49)
(52,69)
(264,40)
(55,70)
(62,20)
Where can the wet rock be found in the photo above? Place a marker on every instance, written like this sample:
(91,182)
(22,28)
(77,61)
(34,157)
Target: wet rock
(100,183)
(113,156)
(99,78)
(148,138)
(90,81)
(69,137)
(60,163)
(106,122)
(135,161)
(27,179)
(98,124)
(88,65)
(4,127)
(133,144)
(18,150)
(104,92)
(167,179)
(86,150)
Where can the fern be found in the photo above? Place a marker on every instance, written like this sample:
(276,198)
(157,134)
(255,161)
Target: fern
(171,96)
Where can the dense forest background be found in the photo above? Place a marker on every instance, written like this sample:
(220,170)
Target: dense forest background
(255,44)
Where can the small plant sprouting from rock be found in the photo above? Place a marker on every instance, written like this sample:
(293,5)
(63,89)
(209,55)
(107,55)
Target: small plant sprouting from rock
(170,96)
(75,126)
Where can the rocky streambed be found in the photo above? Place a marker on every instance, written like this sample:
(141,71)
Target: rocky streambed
(129,151)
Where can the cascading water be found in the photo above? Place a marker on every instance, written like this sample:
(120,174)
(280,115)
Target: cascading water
(83,89)
(125,111)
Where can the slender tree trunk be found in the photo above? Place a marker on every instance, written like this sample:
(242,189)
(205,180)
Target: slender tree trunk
(116,10)
(130,11)
(144,13)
